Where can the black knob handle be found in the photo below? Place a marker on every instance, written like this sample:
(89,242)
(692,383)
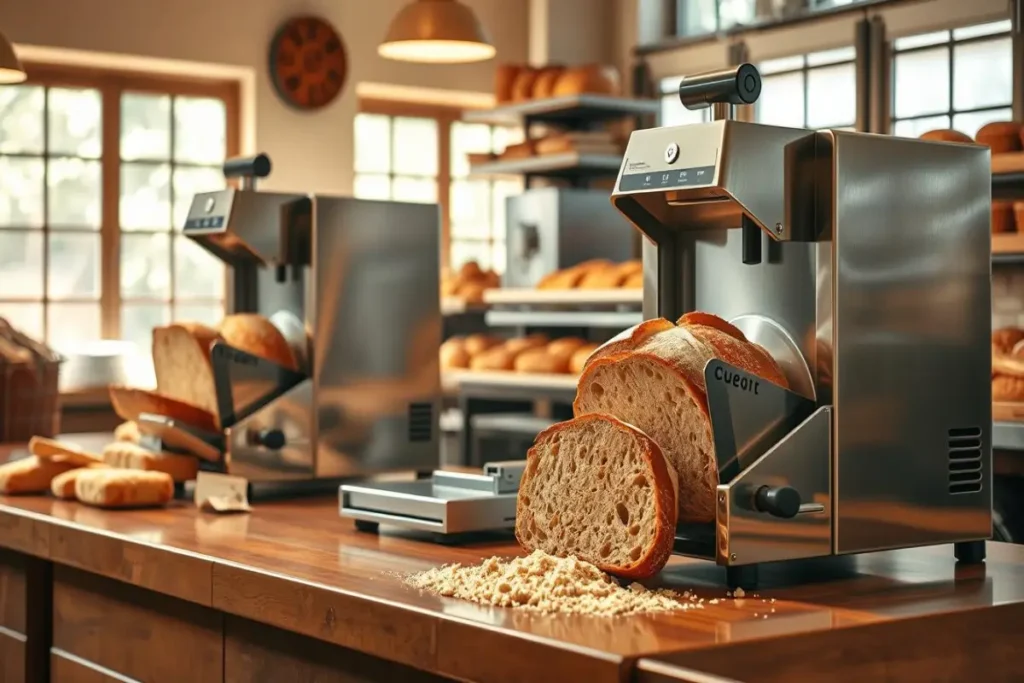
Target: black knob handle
(737,85)
(271,438)
(780,501)
(254,167)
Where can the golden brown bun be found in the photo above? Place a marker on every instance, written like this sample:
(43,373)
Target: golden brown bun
(570,278)
(565,346)
(580,356)
(127,431)
(634,281)
(1018,216)
(471,292)
(593,79)
(63,485)
(498,358)
(130,456)
(521,344)
(520,150)
(1000,136)
(470,270)
(255,334)
(478,343)
(181,359)
(30,475)
(1006,338)
(522,87)
(504,79)
(541,360)
(454,354)
(1003,217)
(117,488)
(608,277)
(1006,388)
(544,84)
(129,404)
(946,135)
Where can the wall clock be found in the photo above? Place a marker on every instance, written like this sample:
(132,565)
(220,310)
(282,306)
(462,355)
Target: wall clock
(308,64)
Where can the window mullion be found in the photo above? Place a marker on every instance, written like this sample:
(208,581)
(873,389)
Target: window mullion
(110,228)
(444,173)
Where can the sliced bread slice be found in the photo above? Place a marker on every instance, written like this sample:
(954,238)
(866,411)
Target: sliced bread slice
(600,489)
(181,359)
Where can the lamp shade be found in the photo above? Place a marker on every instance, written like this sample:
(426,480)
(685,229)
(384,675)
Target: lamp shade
(436,32)
(11,70)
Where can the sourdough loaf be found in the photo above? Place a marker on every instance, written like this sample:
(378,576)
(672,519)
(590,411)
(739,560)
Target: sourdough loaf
(652,376)
(181,360)
(255,334)
(601,490)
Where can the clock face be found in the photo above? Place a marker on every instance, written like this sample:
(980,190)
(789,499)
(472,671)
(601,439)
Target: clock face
(308,65)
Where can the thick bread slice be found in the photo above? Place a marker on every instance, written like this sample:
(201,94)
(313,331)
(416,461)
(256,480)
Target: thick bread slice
(134,457)
(599,489)
(116,488)
(129,404)
(255,334)
(181,360)
(30,475)
(63,485)
(659,387)
(49,449)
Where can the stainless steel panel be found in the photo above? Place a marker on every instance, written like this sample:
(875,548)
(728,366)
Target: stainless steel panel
(427,506)
(800,460)
(912,293)
(290,413)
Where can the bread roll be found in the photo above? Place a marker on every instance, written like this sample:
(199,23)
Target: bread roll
(1006,338)
(454,354)
(1007,388)
(30,475)
(1003,218)
(63,485)
(134,457)
(117,488)
(471,292)
(659,388)
(540,360)
(1000,136)
(49,449)
(498,358)
(1018,216)
(579,358)
(946,135)
(470,270)
(565,346)
(478,343)
(128,431)
(129,404)
(607,277)
(544,83)
(521,344)
(567,278)
(602,490)
(522,87)
(594,79)
(181,359)
(504,79)
(255,334)
(634,281)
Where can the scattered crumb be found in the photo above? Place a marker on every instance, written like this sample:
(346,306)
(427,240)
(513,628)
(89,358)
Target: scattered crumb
(738,593)
(545,583)
(714,601)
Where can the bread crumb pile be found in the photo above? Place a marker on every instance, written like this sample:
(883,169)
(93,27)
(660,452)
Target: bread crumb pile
(545,583)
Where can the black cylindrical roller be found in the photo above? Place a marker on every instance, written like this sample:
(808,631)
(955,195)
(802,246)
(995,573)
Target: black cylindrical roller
(256,167)
(735,85)
(779,501)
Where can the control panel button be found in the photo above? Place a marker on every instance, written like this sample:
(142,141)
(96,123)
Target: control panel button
(671,153)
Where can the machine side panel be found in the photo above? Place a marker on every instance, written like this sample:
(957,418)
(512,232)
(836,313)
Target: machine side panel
(912,321)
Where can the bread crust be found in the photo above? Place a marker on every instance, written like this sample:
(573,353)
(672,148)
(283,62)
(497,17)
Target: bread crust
(1000,136)
(454,354)
(255,334)
(498,358)
(629,339)
(130,403)
(580,356)
(946,135)
(30,475)
(181,359)
(117,488)
(520,344)
(1006,338)
(664,484)
(634,281)
(478,343)
(566,346)
(540,360)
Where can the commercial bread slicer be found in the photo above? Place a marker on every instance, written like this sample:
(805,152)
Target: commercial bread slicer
(352,286)
(862,263)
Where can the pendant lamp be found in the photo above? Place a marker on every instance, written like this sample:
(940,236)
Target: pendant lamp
(436,32)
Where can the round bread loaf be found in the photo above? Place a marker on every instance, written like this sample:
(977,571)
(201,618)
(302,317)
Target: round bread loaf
(544,84)
(522,87)
(255,334)
(478,343)
(580,356)
(593,79)
(454,353)
(520,344)
(498,358)
(946,135)
(1000,136)
(504,80)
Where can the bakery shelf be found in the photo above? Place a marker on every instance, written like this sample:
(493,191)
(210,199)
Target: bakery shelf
(563,297)
(513,318)
(570,110)
(564,165)
(453,305)
(511,385)
(1008,176)
(1008,436)
(1008,247)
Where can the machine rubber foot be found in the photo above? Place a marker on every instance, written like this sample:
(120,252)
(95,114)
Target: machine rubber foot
(368,527)
(742,576)
(969,552)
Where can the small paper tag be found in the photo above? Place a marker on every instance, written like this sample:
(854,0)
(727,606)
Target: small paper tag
(221,493)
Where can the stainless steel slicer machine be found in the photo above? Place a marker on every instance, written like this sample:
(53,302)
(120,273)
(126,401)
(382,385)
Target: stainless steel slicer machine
(352,285)
(862,263)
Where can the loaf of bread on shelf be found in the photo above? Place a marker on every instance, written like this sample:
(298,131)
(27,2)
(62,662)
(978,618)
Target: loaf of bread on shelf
(946,135)
(579,357)
(602,490)
(520,344)
(1018,216)
(634,280)
(255,334)
(541,360)
(118,488)
(1008,388)
(565,346)
(30,475)
(596,79)
(454,354)
(652,377)
(478,343)
(497,358)
(1003,218)
(469,282)
(609,277)
(134,457)
(63,485)
(181,360)
(1000,136)
(504,80)
(570,278)
(544,83)
(130,403)
(1006,338)
(522,86)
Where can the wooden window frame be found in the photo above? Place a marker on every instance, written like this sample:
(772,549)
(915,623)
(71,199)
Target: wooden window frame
(111,84)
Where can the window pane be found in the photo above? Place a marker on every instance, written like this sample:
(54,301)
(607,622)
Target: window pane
(917,127)
(498,260)
(188,182)
(75,193)
(970,123)
(831,96)
(145,196)
(75,122)
(27,318)
(696,17)
(21,119)
(922,82)
(982,30)
(74,268)
(21,192)
(138,321)
(200,130)
(843,54)
(21,264)
(208,314)
(782,101)
(773,66)
(733,12)
(373,143)
(145,126)
(414,150)
(921,40)
(505,136)
(471,208)
(465,251)
(983,74)
(71,324)
(468,138)
(146,266)
(419,190)
(371,186)
(197,272)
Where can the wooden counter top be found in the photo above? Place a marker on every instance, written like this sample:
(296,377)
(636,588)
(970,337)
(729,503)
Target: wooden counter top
(299,567)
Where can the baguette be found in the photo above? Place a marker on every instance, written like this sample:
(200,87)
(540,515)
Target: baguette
(134,457)
(129,404)
(30,475)
(63,485)
(117,488)
(255,334)
(181,360)
(659,387)
(49,449)
(602,490)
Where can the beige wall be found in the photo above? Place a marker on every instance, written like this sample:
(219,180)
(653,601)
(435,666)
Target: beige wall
(311,152)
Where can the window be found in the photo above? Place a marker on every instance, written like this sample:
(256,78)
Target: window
(96,173)
(701,17)
(817,90)
(420,154)
(960,79)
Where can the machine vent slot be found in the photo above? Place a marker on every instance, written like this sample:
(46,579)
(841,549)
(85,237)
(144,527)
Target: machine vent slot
(421,421)
(965,475)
